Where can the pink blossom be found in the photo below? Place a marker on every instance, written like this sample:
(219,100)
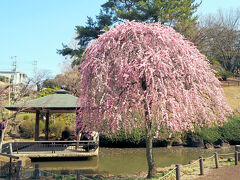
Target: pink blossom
(181,89)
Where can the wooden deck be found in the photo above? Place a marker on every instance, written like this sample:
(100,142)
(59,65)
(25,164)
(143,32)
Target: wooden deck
(48,149)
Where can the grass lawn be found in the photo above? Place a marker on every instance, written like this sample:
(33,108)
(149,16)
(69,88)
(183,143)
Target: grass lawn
(232,93)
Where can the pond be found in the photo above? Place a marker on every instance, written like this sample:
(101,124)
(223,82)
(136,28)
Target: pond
(122,161)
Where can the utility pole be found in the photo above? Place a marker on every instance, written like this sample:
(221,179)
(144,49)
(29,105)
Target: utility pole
(14,64)
(35,74)
(9,92)
(35,66)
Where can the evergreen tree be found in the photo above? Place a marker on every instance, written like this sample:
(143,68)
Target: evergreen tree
(175,13)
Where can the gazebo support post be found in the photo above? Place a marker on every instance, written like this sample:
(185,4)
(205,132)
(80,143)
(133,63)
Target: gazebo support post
(47,125)
(37,126)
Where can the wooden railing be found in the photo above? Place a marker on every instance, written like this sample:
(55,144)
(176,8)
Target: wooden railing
(177,172)
(52,146)
(7,168)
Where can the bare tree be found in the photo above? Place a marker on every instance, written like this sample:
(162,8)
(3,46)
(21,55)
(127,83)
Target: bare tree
(69,80)
(39,77)
(11,119)
(222,42)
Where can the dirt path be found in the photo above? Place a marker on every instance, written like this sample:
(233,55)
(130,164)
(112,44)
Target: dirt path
(223,173)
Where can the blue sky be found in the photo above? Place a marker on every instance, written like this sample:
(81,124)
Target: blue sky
(35,29)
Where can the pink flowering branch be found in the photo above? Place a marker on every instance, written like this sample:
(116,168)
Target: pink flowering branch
(180,84)
(143,75)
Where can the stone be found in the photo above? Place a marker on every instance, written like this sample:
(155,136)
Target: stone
(225,145)
(196,142)
(221,144)
(26,161)
(208,146)
(177,142)
(217,146)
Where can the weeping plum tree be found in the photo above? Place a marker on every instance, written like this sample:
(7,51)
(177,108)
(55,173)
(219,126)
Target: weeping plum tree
(145,75)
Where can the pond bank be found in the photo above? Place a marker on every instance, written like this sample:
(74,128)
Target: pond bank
(125,161)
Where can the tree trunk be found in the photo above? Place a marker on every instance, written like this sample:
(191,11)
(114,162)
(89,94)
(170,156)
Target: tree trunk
(2,136)
(149,142)
(149,154)
(38,87)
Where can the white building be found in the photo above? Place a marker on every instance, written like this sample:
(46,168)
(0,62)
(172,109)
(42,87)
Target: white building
(17,77)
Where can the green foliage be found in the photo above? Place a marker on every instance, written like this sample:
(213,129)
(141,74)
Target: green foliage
(47,91)
(50,83)
(27,128)
(4,79)
(57,128)
(85,34)
(224,74)
(231,130)
(26,117)
(163,11)
(208,135)
(176,13)
(136,137)
(215,62)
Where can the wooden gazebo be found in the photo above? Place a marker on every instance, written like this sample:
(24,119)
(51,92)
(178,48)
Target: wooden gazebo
(60,102)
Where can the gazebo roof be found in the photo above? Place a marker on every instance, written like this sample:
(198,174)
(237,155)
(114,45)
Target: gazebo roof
(61,102)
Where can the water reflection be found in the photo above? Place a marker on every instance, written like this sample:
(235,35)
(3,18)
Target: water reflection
(129,160)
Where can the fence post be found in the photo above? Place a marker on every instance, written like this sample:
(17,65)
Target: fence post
(10,148)
(177,172)
(36,172)
(10,167)
(201,165)
(77,144)
(78,175)
(216,159)
(236,157)
(237,148)
(19,165)
(52,147)
(17,147)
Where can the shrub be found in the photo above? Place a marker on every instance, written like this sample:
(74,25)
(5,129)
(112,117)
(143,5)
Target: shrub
(230,131)
(26,117)
(4,79)
(47,91)
(224,74)
(57,128)
(27,128)
(208,135)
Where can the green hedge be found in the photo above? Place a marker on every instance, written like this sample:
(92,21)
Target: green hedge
(230,131)
(208,135)
(224,74)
